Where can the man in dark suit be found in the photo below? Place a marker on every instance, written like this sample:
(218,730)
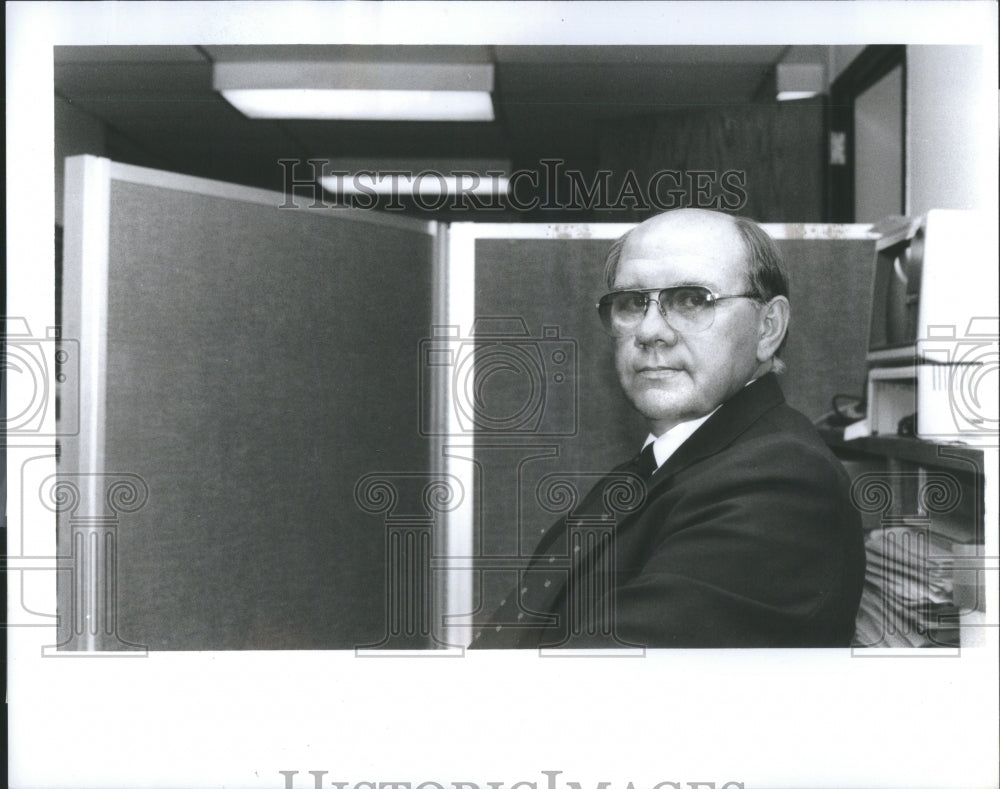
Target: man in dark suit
(742,533)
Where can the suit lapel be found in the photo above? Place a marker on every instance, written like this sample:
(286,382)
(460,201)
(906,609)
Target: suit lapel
(719,431)
(734,418)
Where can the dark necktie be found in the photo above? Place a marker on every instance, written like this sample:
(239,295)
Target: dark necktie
(645,463)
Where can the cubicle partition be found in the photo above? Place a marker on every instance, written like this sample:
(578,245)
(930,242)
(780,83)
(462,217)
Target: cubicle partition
(316,428)
(243,365)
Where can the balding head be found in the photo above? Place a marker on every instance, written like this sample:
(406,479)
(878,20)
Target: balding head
(765,270)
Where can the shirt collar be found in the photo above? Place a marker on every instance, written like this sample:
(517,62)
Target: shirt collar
(669,442)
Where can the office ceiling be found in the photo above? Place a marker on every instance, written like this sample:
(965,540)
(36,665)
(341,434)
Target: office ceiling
(159,108)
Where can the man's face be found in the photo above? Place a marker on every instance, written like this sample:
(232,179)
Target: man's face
(672,377)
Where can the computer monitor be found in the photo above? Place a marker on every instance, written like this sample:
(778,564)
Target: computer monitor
(932,354)
(933,274)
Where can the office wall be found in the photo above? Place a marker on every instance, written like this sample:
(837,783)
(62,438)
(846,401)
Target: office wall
(951,128)
(776,148)
(878,149)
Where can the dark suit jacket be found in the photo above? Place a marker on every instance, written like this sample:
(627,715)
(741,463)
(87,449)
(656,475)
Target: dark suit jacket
(746,538)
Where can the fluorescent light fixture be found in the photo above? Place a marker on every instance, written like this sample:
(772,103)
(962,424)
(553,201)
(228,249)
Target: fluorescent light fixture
(792,95)
(358,91)
(425,184)
(359,105)
(799,80)
(426,178)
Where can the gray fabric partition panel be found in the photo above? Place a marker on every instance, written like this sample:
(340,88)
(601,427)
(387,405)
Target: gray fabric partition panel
(830,293)
(556,283)
(259,363)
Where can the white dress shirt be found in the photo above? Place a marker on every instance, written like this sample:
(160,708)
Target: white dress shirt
(669,442)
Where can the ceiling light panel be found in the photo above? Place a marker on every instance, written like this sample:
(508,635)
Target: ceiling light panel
(360,105)
(799,80)
(358,90)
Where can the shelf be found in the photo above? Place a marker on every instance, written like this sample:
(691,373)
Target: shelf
(957,457)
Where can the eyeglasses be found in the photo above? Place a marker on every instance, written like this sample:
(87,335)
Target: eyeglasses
(686,309)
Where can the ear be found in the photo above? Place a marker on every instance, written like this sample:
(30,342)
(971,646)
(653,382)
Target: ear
(772,327)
